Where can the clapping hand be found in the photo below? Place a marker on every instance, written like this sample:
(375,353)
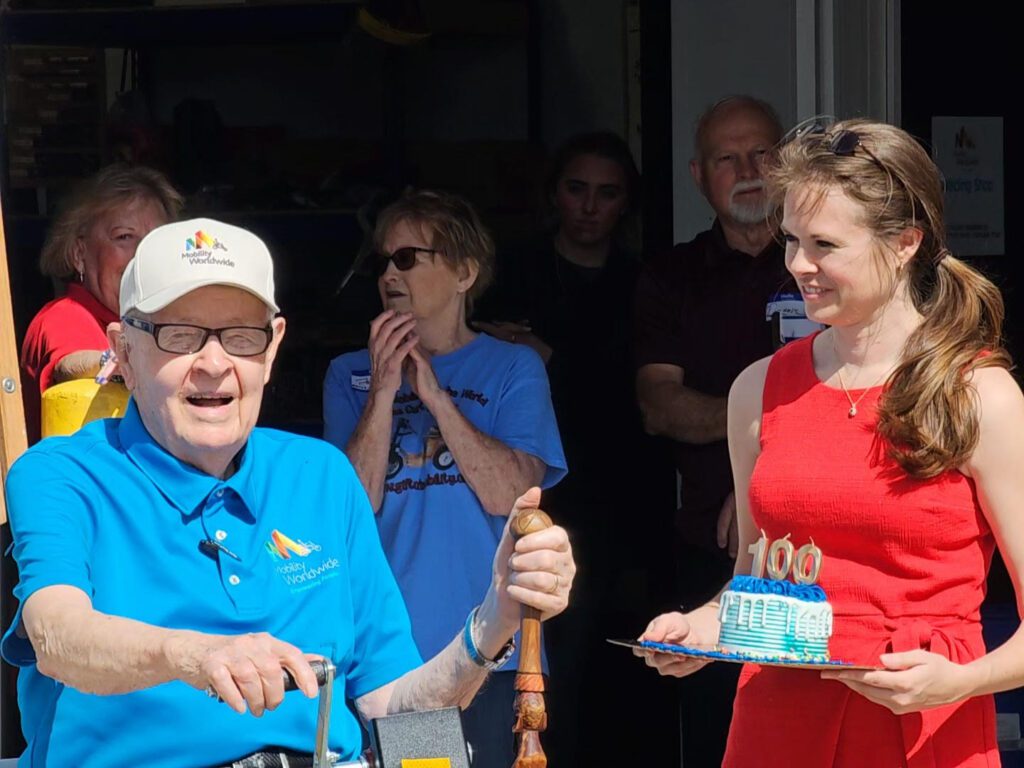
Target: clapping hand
(420,374)
(392,337)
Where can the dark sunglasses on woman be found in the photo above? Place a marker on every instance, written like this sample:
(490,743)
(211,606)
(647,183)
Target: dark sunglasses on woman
(404,259)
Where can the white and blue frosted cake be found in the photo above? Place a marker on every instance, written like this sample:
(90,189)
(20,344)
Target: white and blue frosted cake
(775,619)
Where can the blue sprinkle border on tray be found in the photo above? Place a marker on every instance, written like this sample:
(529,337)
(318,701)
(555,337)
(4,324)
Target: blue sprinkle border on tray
(752,658)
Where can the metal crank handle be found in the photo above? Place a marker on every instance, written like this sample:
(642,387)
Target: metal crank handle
(319,669)
(322,755)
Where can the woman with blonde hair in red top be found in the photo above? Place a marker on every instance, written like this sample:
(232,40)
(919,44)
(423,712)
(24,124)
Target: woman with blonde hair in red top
(893,439)
(86,251)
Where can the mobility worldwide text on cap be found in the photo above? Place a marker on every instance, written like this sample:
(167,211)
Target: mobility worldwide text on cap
(178,258)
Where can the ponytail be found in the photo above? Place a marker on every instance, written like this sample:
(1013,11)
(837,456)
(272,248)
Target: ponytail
(928,413)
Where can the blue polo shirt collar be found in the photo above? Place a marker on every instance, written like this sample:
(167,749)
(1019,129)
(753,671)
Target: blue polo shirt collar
(183,485)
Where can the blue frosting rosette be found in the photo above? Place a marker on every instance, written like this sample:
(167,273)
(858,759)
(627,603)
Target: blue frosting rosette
(811,593)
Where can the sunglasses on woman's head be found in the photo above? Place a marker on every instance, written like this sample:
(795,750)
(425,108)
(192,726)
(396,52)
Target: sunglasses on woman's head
(842,143)
(404,259)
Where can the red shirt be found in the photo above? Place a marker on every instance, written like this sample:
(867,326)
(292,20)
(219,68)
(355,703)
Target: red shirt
(74,322)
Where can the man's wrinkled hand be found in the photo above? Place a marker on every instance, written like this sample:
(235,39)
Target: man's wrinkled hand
(245,671)
(537,570)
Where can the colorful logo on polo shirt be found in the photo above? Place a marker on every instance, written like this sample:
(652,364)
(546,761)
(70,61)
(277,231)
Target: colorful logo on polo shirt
(203,241)
(281,547)
(296,562)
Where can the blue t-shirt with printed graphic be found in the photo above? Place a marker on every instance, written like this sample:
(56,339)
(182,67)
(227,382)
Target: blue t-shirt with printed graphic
(109,511)
(437,536)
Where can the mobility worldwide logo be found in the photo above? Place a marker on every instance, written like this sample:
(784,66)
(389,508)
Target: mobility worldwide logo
(965,148)
(300,573)
(202,249)
(280,547)
(962,139)
(203,241)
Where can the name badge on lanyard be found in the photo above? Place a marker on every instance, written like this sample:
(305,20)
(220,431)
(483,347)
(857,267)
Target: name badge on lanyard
(361,381)
(785,310)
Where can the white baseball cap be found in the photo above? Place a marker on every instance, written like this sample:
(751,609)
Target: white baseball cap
(177,258)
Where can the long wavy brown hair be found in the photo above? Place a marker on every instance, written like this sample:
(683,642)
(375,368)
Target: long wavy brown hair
(927,414)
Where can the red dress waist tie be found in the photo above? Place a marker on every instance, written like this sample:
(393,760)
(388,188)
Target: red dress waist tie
(834,726)
(959,640)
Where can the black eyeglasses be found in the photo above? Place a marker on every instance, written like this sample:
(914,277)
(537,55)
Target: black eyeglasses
(182,339)
(404,259)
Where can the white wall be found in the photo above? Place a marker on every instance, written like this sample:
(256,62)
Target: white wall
(721,48)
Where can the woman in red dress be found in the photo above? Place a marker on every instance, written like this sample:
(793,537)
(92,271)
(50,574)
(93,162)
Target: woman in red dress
(895,438)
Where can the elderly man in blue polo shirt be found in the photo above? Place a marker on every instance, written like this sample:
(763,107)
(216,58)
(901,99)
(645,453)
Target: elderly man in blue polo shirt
(181,549)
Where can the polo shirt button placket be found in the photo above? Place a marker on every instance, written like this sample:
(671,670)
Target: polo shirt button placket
(224,523)
(215,508)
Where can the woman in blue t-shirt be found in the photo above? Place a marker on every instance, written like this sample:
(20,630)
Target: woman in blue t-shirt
(445,428)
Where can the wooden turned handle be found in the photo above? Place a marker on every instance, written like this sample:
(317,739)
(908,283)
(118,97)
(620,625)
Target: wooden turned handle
(527,522)
(531,717)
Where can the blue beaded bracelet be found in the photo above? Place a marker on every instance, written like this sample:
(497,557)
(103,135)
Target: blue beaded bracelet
(474,652)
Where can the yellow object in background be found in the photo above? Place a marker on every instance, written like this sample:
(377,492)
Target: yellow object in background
(427,762)
(68,406)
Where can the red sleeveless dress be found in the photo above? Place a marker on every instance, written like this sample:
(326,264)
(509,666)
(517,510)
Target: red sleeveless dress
(904,567)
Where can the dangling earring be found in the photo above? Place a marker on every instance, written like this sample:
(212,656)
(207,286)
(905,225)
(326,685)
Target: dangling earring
(81,276)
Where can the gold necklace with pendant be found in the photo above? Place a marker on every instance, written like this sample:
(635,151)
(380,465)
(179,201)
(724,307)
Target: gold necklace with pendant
(839,372)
